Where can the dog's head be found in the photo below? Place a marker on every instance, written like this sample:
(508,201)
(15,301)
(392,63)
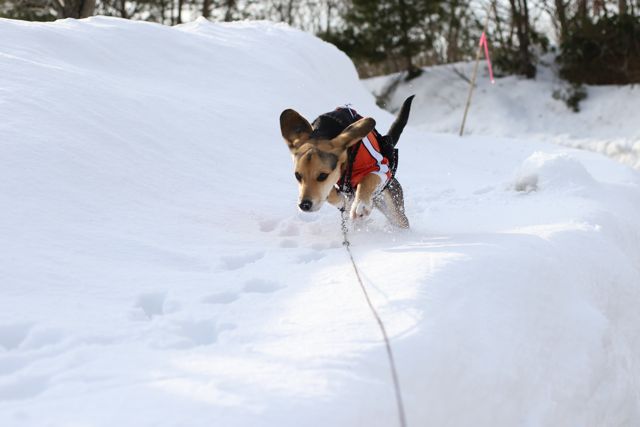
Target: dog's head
(318,161)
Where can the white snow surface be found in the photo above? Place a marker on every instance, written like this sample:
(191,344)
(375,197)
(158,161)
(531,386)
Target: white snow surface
(608,121)
(154,270)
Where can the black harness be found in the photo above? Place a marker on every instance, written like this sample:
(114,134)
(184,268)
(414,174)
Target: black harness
(331,124)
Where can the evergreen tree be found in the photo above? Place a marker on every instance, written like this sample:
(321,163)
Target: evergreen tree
(388,30)
(28,10)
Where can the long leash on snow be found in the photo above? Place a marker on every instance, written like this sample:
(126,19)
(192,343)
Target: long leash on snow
(392,365)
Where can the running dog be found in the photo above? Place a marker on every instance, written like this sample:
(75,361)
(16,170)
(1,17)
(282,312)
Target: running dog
(342,159)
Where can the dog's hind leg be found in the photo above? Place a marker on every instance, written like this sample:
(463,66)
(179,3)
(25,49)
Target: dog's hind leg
(391,204)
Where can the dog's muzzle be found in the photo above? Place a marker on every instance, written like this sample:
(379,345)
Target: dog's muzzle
(305,205)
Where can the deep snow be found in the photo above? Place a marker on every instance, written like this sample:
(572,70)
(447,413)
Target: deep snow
(155,271)
(516,107)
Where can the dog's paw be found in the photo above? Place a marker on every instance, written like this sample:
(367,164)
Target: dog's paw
(361,209)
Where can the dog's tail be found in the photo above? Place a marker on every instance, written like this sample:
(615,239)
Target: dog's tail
(398,125)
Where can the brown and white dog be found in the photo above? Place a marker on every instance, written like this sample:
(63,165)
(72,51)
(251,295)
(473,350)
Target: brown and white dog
(340,147)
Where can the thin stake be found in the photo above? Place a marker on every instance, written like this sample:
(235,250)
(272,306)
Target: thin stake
(392,365)
(472,84)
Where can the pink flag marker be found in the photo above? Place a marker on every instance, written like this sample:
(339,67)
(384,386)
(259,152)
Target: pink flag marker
(483,42)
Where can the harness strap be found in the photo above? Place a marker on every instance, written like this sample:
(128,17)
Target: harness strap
(387,150)
(346,187)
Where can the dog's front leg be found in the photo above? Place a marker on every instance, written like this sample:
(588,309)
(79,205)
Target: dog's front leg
(336,199)
(363,203)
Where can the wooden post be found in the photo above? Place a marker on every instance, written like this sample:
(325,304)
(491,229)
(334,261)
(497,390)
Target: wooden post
(473,77)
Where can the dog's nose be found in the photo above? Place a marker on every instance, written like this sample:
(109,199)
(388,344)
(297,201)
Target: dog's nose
(305,205)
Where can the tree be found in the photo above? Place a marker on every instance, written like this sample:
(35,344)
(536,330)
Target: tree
(394,31)
(128,9)
(602,51)
(74,8)
(519,42)
(206,8)
(460,29)
(559,18)
(28,10)
(284,10)
(520,17)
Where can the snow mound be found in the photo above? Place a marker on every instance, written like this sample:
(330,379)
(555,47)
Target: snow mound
(155,271)
(545,171)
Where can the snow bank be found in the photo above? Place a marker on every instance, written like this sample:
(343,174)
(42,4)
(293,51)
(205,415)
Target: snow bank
(155,271)
(560,172)
(516,107)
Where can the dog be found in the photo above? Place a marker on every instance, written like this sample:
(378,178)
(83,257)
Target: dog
(342,159)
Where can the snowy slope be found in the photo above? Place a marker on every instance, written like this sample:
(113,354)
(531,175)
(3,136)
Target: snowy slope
(154,270)
(517,107)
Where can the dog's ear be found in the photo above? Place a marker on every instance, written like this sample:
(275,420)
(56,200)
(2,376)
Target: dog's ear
(354,133)
(294,128)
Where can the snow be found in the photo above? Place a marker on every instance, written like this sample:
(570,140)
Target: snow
(155,270)
(516,107)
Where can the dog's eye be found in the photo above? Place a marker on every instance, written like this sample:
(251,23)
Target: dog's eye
(298,177)
(322,177)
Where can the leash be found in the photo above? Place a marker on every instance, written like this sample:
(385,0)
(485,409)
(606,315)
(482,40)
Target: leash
(392,365)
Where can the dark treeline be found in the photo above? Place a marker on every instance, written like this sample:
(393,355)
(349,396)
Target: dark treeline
(596,41)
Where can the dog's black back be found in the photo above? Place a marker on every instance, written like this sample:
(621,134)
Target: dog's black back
(329,125)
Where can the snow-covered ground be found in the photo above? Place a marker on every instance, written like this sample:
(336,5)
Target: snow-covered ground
(609,120)
(154,270)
